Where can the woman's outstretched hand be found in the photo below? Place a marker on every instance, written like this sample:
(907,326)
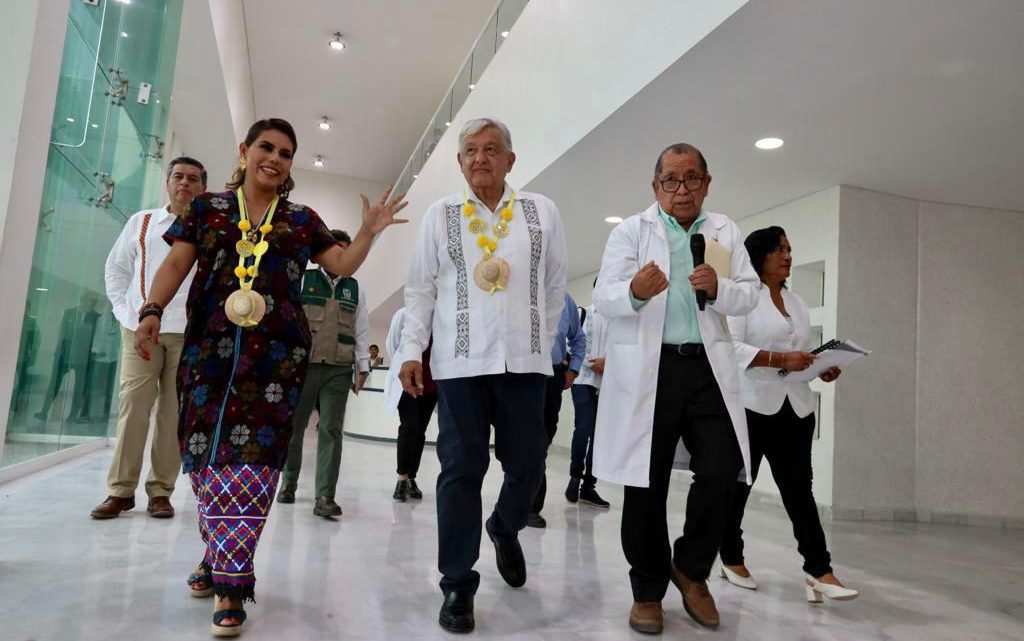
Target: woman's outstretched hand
(381,214)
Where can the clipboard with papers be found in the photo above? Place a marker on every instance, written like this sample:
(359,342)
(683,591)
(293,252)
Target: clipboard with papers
(834,353)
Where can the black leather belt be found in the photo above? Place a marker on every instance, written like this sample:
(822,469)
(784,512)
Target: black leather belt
(685,349)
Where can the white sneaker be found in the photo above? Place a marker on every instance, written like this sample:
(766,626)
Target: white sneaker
(746,582)
(816,588)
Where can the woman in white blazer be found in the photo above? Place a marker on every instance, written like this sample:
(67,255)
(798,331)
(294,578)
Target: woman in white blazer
(780,415)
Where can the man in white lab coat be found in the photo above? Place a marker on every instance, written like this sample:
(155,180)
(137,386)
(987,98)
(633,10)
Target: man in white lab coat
(671,374)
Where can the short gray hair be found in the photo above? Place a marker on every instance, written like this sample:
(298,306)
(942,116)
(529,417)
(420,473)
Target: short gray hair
(475,126)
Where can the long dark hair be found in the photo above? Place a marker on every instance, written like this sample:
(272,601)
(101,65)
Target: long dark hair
(258,127)
(762,242)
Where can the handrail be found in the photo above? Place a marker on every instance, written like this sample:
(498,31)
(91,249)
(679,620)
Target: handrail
(498,25)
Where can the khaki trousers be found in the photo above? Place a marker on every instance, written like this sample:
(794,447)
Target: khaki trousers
(145,384)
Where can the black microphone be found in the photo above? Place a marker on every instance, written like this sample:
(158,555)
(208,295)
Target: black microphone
(697,249)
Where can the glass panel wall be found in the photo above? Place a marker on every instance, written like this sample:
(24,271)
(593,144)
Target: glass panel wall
(105,163)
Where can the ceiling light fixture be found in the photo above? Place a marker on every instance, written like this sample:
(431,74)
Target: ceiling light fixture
(318,161)
(448,123)
(769,143)
(504,34)
(336,42)
(69,119)
(415,176)
(613,220)
(325,124)
(472,86)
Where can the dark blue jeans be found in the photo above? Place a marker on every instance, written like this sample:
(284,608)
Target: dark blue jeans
(467,408)
(581,458)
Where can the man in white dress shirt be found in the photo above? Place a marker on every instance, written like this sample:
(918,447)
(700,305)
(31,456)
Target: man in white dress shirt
(130,268)
(488,281)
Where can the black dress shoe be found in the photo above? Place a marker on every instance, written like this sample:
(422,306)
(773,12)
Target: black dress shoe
(401,491)
(537,521)
(414,490)
(457,612)
(509,556)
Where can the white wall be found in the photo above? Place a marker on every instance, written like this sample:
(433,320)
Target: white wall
(581,51)
(875,414)
(927,427)
(970,399)
(336,199)
(33,46)
(812,226)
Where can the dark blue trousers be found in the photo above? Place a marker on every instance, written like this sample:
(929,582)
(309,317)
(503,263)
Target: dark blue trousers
(581,458)
(467,408)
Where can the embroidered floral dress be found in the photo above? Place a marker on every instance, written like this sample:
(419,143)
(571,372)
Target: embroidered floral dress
(238,387)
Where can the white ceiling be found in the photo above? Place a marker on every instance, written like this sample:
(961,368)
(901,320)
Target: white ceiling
(921,98)
(379,93)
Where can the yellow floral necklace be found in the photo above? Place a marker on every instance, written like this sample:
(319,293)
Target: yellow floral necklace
(491,274)
(245,307)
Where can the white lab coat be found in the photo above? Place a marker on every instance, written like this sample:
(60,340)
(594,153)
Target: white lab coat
(625,415)
(392,385)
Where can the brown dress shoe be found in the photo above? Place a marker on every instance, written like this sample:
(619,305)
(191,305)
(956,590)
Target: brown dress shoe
(647,617)
(697,599)
(160,507)
(112,507)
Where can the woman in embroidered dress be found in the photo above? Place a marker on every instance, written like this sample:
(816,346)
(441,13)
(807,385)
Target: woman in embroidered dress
(239,382)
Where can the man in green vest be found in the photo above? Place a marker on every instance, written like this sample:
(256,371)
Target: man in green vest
(340,327)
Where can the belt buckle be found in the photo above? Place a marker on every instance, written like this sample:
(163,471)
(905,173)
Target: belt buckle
(690,349)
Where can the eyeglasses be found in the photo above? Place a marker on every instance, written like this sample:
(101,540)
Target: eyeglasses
(691,183)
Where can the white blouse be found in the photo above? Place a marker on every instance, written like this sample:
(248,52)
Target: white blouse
(765,328)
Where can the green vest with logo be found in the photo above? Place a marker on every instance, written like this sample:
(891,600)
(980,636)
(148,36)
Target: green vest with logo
(332,317)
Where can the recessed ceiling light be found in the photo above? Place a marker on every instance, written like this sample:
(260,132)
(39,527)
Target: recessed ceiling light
(325,124)
(94,126)
(769,143)
(472,86)
(69,119)
(42,289)
(124,34)
(504,34)
(613,220)
(448,123)
(415,176)
(336,42)
(318,161)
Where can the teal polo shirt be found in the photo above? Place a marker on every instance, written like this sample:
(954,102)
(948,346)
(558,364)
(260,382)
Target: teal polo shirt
(681,325)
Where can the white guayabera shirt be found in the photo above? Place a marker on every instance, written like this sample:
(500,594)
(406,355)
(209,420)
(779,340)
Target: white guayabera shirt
(131,265)
(475,332)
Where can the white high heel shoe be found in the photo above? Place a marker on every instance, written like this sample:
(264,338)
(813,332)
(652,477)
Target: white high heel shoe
(816,588)
(737,580)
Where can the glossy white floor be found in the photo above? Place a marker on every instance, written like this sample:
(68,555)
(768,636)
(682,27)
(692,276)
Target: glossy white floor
(371,574)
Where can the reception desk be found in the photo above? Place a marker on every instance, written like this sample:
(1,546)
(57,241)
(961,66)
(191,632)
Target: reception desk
(366,417)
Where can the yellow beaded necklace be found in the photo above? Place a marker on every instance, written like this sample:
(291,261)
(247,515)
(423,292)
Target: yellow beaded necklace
(245,307)
(491,274)
(478,226)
